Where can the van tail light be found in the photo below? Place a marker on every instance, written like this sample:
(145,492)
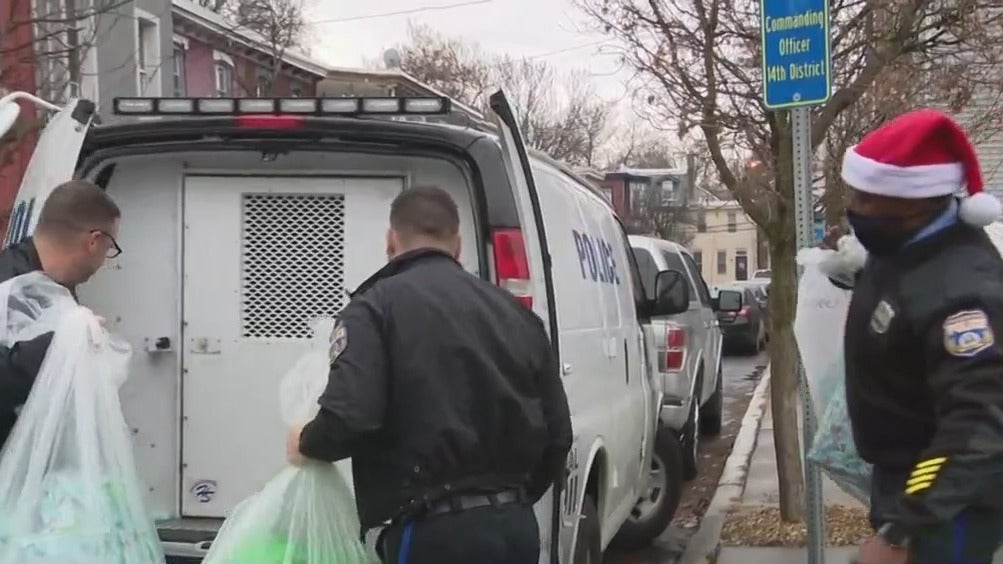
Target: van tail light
(744,312)
(675,347)
(512,264)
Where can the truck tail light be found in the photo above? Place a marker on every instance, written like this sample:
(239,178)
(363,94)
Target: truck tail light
(675,347)
(744,312)
(512,264)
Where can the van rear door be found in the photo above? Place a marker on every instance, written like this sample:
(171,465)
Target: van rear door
(527,201)
(52,163)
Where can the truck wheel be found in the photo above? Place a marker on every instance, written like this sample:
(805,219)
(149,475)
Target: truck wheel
(713,410)
(656,508)
(588,542)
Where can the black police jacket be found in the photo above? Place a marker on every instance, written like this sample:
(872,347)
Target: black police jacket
(924,372)
(440,383)
(19,364)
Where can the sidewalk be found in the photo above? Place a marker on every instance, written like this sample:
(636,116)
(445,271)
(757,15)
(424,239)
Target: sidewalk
(749,480)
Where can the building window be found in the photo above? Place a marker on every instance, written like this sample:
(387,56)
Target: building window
(722,262)
(732,222)
(701,221)
(263,89)
(638,193)
(147,54)
(670,191)
(178,77)
(698,258)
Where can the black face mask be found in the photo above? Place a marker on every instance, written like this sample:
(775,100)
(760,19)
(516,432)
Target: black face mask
(878,234)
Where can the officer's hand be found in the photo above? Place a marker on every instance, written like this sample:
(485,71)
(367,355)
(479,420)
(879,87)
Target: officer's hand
(832,236)
(877,551)
(293,454)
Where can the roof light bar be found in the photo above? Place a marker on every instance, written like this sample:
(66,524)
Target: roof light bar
(282,106)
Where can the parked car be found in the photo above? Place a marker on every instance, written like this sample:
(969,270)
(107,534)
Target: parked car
(761,290)
(689,344)
(763,273)
(744,329)
(245,226)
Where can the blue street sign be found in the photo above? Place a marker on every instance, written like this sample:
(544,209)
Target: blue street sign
(795,50)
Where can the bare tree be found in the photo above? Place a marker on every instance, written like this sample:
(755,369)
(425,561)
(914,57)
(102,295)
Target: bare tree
(559,113)
(698,63)
(281,26)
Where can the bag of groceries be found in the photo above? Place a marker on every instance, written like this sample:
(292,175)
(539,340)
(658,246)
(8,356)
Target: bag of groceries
(69,490)
(818,327)
(303,515)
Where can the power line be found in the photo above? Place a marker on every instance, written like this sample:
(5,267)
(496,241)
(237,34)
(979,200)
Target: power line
(566,49)
(402,12)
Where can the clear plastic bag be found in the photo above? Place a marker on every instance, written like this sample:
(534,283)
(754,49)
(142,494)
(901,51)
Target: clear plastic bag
(303,515)
(819,327)
(69,491)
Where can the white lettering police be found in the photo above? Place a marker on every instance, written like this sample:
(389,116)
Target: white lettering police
(595,257)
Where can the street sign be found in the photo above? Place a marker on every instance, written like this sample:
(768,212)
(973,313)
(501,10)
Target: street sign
(797,65)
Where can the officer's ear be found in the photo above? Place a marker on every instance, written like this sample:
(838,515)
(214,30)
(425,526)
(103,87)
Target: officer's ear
(391,247)
(457,244)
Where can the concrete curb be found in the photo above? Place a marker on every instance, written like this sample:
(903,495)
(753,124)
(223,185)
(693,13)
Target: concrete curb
(705,544)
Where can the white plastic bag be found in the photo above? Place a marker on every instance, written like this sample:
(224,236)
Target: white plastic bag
(303,515)
(69,491)
(819,327)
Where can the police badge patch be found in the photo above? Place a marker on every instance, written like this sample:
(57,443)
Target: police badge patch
(339,341)
(967,333)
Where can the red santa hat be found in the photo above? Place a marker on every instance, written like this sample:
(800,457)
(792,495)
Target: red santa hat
(921,154)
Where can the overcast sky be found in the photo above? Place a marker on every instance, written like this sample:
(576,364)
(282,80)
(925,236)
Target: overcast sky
(553,30)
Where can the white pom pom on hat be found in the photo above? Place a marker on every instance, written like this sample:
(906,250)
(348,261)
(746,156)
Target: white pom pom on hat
(922,154)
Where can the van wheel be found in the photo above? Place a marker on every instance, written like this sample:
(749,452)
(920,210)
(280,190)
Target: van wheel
(691,439)
(588,542)
(713,410)
(656,508)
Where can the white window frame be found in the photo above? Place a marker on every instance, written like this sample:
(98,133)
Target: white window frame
(178,72)
(147,37)
(55,65)
(222,62)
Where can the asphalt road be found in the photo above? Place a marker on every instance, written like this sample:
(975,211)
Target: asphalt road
(738,387)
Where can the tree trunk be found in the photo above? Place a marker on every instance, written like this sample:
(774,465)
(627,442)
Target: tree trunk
(783,348)
(784,379)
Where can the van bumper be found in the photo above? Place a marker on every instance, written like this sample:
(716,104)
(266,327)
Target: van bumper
(675,401)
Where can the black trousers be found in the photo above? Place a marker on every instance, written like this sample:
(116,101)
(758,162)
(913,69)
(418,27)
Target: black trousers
(970,538)
(503,534)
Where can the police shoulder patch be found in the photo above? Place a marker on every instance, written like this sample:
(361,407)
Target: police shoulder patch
(339,341)
(967,333)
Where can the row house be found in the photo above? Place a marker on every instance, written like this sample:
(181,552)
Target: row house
(60,49)
(214,57)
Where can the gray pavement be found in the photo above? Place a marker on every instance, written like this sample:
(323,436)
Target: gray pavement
(762,488)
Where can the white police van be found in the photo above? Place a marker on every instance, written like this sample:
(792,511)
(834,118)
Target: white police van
(242,219)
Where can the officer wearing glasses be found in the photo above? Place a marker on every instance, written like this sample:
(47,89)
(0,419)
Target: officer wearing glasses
(74,237)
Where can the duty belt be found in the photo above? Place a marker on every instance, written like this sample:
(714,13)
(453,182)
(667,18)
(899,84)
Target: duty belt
(464,502)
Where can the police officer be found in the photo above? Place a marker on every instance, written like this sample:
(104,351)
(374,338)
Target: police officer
(75,234)
(444,391)
(924,366)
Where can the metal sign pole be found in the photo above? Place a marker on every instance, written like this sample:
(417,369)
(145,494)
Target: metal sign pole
(796,73)
(805,222)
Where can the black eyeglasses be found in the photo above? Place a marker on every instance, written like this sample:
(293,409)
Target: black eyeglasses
(115,250)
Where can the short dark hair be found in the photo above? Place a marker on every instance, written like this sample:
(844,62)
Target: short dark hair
(77,205)
(427,211)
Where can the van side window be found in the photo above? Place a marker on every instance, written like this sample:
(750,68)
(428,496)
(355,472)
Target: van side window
(674,262)
(702,290)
